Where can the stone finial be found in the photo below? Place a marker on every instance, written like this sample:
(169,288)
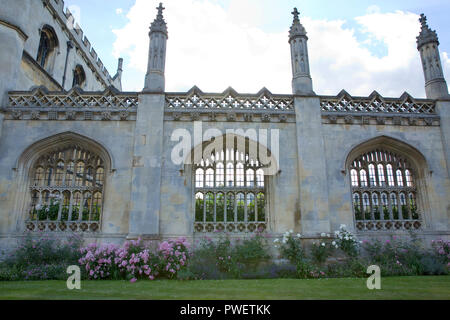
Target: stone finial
(426,34)
(297,30)
(159,25)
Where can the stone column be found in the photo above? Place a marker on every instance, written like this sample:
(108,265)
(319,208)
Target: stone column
(147,164)
(148,139)
(314,210)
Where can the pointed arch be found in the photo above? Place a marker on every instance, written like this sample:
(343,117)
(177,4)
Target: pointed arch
(415,156)
(394,169)
(62,182)
(35,150)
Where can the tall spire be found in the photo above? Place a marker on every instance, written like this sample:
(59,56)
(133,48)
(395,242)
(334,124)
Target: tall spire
(301,78)
(427,44)
(154,79)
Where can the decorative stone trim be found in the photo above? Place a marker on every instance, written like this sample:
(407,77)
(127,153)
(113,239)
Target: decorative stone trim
(52,115)
(212,116)
(39,104)
(124,115)
(88,115)
(248,117)
(35,115)
(231,116)
(375,103)
(231,227)
(62,226)
(106,115)
(390,225)
(265,117)
(348,119)
(195,99)
(195,116)
(380,119)
(17,115)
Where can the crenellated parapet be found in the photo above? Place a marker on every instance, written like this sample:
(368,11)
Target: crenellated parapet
(376,109)
(76,34)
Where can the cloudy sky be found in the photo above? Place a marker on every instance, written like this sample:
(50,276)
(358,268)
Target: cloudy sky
(356,45)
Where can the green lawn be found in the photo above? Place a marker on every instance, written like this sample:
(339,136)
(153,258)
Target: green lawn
(425,287)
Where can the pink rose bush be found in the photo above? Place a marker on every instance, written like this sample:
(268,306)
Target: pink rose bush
(442,250)
(135,261)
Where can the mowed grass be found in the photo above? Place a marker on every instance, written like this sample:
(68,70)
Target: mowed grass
(424,287)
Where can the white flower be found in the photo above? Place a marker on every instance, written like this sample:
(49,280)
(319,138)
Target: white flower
(328,235)
(336,232)
(346,238)
(47,209)
(337,246)
(299,235)
(323,244)
(361,242)
(276,240)
(323,234)
(342,227)
(333,243)
(38,206)
(290,231)
(284,240)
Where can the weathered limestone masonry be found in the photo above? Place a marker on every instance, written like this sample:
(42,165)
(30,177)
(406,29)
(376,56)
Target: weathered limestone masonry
(79,155)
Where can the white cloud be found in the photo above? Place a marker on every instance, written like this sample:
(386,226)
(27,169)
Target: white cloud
(119,11)
(214,48)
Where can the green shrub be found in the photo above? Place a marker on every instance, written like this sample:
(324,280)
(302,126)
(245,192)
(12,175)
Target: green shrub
(42,257)
(290,247)
(321,251)
(346,241)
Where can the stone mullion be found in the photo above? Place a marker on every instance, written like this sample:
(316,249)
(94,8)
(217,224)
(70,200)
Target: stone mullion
(256,206)
(391,215)
(91,203)
(380,205)
(215,206)
(377,176)
(69,218)
(245,207)
(372,209)
(235,207)
(204,206)
(225,206)
(399,204)
(61,200)
(408,206)
(81,207)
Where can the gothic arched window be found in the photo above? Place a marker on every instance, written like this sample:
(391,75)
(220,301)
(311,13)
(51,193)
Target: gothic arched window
(67,190)
(233,197)
(378,205)
(79,77)
(47,44)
